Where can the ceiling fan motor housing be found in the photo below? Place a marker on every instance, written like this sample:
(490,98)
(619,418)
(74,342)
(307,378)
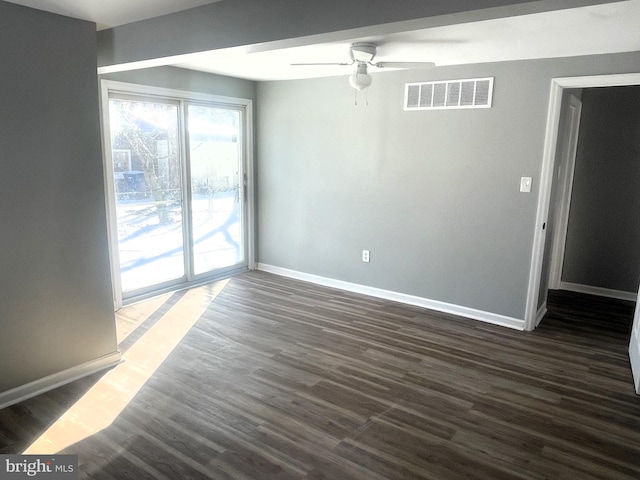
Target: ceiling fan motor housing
(363,52)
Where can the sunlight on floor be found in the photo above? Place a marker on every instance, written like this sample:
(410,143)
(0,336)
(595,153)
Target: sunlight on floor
(102,404)
(129,318)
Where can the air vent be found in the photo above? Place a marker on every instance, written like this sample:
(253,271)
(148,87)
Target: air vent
(468,93)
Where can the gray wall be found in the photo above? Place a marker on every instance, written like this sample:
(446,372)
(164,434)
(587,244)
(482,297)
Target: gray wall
(604,227)
(56,306)
(434,195)
(181,79)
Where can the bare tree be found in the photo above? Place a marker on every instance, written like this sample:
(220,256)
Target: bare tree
(145,139)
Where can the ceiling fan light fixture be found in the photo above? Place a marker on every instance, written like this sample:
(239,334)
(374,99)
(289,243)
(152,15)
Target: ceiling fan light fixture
(362,55)
(360,79)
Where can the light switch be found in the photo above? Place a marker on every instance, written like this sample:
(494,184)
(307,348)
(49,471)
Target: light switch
(525,184)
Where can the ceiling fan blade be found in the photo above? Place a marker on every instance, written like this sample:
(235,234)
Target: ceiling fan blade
(404,64)
(313,64)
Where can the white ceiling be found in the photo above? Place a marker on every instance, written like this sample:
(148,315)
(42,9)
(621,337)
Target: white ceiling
(605,28)
(111,13)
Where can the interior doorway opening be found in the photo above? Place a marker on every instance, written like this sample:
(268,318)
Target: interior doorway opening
(538,286)
(538,278)
(593,225)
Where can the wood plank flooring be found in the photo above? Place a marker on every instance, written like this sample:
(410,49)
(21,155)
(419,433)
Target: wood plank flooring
(281,379)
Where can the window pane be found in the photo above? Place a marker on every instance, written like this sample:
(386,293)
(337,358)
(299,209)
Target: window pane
(215,152)
(144,138)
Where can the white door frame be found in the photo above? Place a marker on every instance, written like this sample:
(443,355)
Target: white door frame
(634,347)
(566,170)
(546,174)
(181,95)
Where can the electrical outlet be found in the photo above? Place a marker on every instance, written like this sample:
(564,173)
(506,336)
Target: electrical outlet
(365,256)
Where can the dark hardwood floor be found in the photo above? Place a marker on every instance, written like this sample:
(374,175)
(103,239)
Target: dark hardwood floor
(280,379)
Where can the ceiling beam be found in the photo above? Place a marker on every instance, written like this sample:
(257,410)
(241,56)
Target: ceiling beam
(256,25)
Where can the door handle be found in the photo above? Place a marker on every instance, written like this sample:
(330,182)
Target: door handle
(244,186)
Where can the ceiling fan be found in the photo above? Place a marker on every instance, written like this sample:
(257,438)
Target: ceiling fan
(362,55)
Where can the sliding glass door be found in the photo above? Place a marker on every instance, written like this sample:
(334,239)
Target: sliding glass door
(215,160)
(148,192)
(178,193)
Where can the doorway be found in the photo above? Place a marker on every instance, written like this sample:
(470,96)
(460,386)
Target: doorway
(537,289)
(178,186)
(537,285)
(595,228)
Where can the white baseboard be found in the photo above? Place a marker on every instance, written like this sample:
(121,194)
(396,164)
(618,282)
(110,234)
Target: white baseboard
(37,387)
(436,305)
(602,292)
(542,311)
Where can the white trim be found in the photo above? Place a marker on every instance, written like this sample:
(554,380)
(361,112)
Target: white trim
(546,174)
(37,387)
(436,305)
(542,311)
(589,81)
(110,194)
(601,292)
(634,359)
(249,166)
(542,212)
(634,348)
(170,93)
(565,185)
